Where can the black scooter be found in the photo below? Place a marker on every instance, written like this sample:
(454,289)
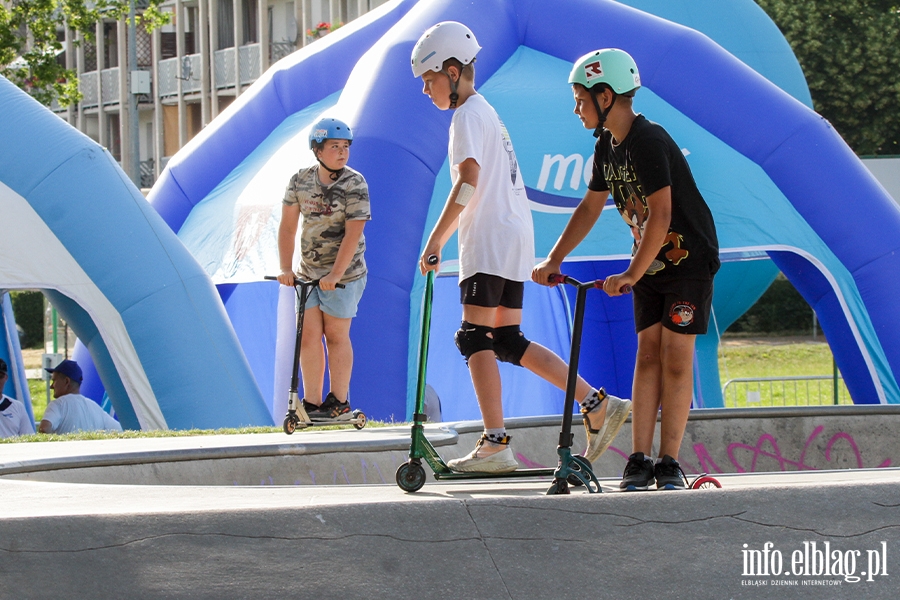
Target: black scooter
(296,417)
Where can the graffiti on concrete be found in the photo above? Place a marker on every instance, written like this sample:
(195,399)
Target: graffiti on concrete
(744,458)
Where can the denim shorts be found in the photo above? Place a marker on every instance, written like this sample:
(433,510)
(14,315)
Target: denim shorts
(340,303)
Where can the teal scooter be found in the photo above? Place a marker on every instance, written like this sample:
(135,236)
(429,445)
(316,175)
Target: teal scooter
(571,468)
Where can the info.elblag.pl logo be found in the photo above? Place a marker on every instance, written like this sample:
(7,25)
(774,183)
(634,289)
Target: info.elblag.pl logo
(813,560)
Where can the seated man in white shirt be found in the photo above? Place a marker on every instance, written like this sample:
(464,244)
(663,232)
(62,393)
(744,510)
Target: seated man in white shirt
(13,416)
(70,411)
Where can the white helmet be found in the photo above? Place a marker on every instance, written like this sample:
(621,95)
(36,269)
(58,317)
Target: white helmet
(448,39)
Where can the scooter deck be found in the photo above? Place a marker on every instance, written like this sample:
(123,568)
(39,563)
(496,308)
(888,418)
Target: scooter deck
(518,473)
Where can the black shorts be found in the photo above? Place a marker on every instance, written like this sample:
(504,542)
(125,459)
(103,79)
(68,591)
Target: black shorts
(491,291)
(682,305)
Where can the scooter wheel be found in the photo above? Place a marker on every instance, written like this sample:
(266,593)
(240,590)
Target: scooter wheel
(559,486)
(410,476)
(361,419)
(705,482)
(289,425)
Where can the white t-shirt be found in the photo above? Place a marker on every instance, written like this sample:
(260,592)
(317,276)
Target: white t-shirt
(496,234)
(74,412)
(14,418)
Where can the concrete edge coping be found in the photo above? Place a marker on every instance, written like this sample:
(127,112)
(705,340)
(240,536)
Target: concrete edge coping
(438,436)
(442,434)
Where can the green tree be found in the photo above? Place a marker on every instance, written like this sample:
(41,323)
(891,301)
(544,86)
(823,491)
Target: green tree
(29,46)
(850,53)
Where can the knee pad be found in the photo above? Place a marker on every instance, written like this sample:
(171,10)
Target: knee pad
(474,338)
(510,344)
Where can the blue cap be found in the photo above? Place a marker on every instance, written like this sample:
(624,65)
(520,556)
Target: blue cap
(69,368)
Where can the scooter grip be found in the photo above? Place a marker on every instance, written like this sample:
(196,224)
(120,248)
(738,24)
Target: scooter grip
(625,289)
(556,278)
(298,281)
(432,260)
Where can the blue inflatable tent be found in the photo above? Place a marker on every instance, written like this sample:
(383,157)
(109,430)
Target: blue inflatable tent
(76,228)
(767,164)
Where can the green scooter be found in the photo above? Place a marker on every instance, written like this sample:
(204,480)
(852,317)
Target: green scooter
(571,469)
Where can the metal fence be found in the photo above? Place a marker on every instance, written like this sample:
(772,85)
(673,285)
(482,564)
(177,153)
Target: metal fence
(811,390)
(109,85)
(89,84)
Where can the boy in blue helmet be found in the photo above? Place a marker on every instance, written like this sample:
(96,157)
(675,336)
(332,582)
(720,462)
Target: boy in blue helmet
(674,258)
(488,205)
(330,203)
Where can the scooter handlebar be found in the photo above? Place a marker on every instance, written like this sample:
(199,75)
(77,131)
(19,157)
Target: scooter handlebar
(432,260)
(560,278)
(297,282)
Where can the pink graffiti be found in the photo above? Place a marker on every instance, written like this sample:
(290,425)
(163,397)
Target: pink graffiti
(767,447)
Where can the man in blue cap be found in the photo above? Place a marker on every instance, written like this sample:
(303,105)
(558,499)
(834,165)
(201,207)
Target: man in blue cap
(70,411)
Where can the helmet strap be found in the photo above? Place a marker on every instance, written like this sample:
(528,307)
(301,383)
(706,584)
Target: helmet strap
(601,114)
(332,174)
(454,96)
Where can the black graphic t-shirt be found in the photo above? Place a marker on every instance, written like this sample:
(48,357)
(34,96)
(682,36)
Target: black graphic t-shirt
(645,162)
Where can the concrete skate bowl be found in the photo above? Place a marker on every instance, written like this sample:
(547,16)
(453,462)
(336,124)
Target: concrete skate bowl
(716,441)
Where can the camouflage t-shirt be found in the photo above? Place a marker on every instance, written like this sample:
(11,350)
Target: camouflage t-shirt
(323,211)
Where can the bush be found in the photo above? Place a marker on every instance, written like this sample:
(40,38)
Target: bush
(28,308)
(781,310)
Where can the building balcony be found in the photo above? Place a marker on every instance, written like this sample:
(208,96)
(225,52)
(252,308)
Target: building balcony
(109,86)
(89,84)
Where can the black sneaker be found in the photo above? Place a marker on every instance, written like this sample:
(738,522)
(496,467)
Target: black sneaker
(638,473)
(309,407)
(669,475)
(331,410)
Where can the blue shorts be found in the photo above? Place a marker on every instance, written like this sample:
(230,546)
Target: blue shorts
(340,303)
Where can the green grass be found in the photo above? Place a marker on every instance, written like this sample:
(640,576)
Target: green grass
(127,435)
(767,360)
(38,390)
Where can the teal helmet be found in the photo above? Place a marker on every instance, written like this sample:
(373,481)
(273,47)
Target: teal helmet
(329,129)
(611,66)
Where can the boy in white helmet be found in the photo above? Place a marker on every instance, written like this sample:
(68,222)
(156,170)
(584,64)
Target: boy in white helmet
(488,205)
(675,254)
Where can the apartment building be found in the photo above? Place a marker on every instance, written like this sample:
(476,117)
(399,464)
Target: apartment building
(187,71)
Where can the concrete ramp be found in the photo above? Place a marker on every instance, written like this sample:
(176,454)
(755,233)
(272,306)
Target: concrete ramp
(716,441)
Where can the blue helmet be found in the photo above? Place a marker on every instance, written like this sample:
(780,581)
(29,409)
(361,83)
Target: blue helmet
(329,129)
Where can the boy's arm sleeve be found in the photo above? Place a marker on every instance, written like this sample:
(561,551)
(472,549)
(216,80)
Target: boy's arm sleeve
(290,193)
(598,181)
(358,206)
(652,168)
(467,140)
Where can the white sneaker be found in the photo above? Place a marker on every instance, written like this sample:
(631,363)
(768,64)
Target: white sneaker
(598,440)
(499,462)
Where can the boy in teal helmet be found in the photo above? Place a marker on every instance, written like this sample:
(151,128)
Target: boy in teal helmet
(329,202)
(674,256)
(488,206)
